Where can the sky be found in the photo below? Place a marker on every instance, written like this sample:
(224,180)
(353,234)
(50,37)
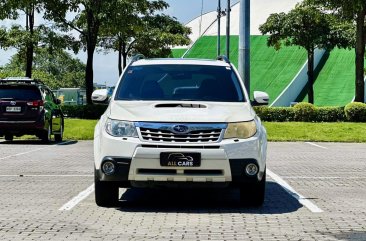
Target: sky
(105,65)
(186,10)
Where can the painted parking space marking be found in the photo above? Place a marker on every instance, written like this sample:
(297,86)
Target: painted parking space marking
(316,145)
(77,199)
(34,150)
(301,199)
(45,175)
(324,178)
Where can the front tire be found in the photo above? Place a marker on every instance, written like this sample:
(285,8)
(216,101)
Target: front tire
(253,194)
(106,193)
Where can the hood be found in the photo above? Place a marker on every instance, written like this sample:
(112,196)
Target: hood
(181,111)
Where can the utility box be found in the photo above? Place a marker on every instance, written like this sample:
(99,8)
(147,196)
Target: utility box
(71,96)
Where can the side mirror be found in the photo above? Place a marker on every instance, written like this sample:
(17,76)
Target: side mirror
(100,96)
(260,98)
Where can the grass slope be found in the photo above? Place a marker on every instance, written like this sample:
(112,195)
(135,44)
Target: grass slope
(178,53)
(334,85)
(271,70)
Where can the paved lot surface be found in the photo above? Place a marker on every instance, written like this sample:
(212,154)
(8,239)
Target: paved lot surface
(37,180)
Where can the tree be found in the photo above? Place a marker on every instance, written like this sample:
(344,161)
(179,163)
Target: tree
(90,16)
(307,27)
(58,69)
(355,12)
(150,35)
(143,31)
(26,39)
(2,36)
(160,32)
(7,10)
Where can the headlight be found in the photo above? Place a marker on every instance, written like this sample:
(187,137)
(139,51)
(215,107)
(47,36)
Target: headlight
(241,130)
(121,128)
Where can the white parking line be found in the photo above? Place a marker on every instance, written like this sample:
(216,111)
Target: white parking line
(34,150)
(303,200)
(325,178)
(80,197)
(313,144)
(31,175)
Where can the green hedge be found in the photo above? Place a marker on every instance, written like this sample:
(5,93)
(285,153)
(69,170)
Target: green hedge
(329,114)
(92,112)
(275,114)
(355,112)
(305,112)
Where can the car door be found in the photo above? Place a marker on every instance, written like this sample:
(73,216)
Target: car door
(53,111)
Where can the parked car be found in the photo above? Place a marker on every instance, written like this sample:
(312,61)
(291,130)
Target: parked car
(28,107)
(180,123)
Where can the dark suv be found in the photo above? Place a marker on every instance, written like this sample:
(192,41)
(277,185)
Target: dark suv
(28,107)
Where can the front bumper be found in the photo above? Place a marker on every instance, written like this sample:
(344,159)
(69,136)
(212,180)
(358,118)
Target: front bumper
(138,163)
(171,177)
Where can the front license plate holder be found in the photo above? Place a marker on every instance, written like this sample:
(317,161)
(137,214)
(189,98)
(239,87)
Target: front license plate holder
(180,159)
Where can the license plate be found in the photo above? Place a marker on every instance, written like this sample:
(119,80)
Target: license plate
(180,159)
(13,109)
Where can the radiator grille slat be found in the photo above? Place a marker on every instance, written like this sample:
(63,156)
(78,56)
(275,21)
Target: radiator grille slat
(196,136)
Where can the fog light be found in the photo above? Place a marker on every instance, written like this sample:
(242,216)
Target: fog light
(108,167)
(251,169)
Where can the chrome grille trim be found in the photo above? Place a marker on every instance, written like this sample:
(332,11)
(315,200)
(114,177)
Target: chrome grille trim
(165,133)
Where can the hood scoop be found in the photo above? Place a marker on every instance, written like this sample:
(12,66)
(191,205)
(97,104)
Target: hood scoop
(180,105)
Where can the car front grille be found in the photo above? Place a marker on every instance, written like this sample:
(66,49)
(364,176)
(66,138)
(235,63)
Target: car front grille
(197,133)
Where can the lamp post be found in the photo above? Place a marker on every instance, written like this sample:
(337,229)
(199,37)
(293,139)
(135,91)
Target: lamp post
(228,10)
(244,43)
(219,28)
(200,27)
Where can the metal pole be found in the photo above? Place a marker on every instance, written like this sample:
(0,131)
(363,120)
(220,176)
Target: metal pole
(228,9)
(200,29)
(219,28)
(244,43)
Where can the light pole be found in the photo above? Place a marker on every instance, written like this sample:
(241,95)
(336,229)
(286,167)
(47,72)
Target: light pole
(200,28)
(219,28)
(244,43)
(228,10)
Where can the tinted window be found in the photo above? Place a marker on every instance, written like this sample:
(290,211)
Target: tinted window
(180,82)
(20,92)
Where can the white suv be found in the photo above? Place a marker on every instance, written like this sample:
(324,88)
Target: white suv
(180,123)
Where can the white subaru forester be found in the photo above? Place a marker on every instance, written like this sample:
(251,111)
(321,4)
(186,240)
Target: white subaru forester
(180,123)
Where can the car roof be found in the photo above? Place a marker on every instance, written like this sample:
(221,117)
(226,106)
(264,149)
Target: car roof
(171,61)
(21,81)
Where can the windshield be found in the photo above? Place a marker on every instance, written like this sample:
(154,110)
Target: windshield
(180,82)
(19,92)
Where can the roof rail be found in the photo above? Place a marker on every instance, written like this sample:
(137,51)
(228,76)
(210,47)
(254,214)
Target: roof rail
(137,57)
(223,58)
(20,80)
